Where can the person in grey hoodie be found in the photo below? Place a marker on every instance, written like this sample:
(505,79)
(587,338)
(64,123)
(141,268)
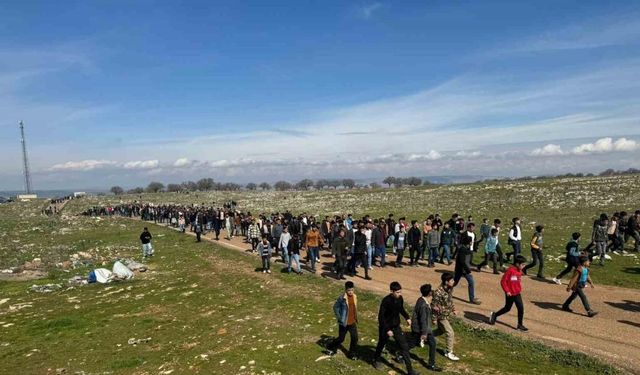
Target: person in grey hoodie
(433,244)
(421,332)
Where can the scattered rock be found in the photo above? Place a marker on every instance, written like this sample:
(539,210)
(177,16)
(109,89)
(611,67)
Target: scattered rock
(47,288)
(133,341)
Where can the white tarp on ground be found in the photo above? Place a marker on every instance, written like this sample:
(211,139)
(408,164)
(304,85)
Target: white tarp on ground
(103,275)
(122,271)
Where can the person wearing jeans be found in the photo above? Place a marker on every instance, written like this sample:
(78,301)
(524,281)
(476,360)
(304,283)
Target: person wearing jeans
(264,249)
(578,282)
(346,310)
(283,244)
(511,284)
(463,266)
(537,256)
(515,239)
(313,241)
(293,252)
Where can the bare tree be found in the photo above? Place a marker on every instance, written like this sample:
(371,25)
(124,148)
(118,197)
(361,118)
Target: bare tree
(389,180)
(305,184)
(348,183)
(282,186)
(155,187)
(251,186)
(116,190)
(265,186)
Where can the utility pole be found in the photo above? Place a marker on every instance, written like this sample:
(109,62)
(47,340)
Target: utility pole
(27,174)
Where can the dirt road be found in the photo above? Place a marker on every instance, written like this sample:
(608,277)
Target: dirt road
(613,335)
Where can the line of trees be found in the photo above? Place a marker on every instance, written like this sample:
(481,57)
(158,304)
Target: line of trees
(208,184)
(405,181)
(606,173)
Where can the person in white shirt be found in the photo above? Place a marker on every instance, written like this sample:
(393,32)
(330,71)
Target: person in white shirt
(283,244)
(515,239)
(367,232)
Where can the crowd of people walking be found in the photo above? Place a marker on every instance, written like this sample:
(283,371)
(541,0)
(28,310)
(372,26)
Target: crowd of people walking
(367,243)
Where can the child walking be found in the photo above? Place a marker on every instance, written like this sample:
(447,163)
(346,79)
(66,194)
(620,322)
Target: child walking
(512,286)
(572,258)
(264,249)
(490,253)
(578,282)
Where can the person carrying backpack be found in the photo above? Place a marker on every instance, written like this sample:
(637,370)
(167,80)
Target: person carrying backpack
(578,282)
(572,257)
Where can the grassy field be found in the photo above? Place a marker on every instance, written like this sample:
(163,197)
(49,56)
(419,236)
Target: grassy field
(204,309)
(562,205)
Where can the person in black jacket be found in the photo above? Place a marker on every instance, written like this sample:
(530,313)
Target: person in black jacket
(421,331)
(463,266)
(360,252)
(391,308)
(413,239)
(145,239)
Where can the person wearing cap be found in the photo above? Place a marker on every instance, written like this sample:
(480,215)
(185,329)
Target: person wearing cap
(346,311)
(391,308)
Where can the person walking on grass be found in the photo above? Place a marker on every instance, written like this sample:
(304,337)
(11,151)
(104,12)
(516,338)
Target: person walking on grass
(421,332)
(490,254)
(578,282)
(391,308)
(515,239)
(463,266)
(145,239)
(283,243)
(254,234)
(497,224)
(265,250)
(572,257)
(511,284)
(293,252)
(600,237)
(443,309)
(346,310)
(537,256)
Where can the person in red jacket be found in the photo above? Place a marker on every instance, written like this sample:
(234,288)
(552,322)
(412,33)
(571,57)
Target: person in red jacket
(511,284)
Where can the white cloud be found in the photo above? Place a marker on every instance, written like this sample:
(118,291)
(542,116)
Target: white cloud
(607,145)
(468,154)
(590,33)
(367,11)
(84,165)
(141,164)
(624,144)
(431,155)
(548,150)
(182,162)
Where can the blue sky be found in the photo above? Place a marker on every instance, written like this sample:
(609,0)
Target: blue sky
(116,92)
